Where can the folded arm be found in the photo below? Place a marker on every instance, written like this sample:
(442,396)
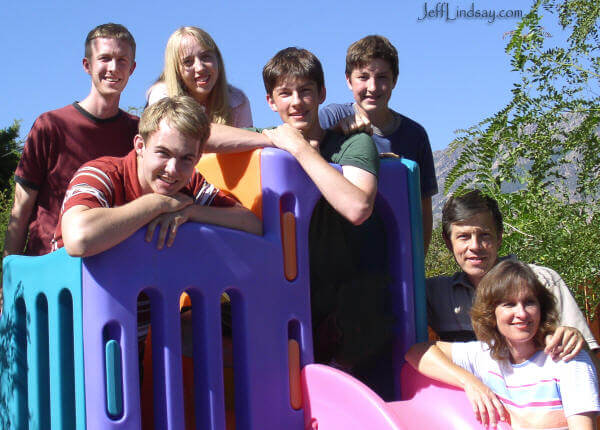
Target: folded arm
(89,231)
(236,217)
(435,361)
(351,193)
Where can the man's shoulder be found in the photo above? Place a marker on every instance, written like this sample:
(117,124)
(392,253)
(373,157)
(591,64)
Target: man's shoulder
(341,108)
(358,143)
(357,150)
(107,164)
(331,114)
(129,116)
(409,126)
(55,116)
(409,122)
(444,279)
(357,139)
(437,283)
(545,274)
(72,116)
(62,111)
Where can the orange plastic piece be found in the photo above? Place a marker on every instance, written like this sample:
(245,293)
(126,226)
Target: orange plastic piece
(294,364)
(288,239)
(238,174)
(185,301)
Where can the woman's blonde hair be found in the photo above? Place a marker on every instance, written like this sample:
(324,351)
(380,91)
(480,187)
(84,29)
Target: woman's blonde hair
(507,279)
(217,103)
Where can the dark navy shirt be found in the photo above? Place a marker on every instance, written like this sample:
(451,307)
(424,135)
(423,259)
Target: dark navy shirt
(409,140)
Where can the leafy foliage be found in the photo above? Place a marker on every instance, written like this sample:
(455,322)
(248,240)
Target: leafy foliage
(519,154)
(439,261)
(10,153)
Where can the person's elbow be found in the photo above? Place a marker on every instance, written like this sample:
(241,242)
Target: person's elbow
(413,355)
(75,237)
(416,352)
(359,212)
(76,244)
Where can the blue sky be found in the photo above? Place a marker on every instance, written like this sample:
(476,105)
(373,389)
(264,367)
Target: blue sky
(453,73)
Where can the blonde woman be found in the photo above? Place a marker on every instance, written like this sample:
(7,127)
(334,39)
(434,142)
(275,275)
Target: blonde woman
(194,67)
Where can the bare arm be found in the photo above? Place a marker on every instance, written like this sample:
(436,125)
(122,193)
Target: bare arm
(89,231)
(435,361)
(582,421)
(224,138)
(16,230)
(351,193)
(236,217)
(427,222)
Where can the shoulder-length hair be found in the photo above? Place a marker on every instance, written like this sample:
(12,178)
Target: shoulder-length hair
(217,104)
(506,280)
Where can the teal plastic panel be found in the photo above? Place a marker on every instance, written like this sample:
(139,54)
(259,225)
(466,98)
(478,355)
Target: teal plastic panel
(416,222)
(41,344)
(114,379)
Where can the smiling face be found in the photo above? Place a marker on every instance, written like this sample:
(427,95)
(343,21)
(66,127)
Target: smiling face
(518,318)
(199,68)
(110,65)
(372,86)
(166,160)
(297,101)
(475,243)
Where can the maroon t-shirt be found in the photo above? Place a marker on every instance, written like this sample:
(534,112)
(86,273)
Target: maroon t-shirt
(59,142)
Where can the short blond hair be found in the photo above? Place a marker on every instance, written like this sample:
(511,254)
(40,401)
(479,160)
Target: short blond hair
(183,113)
(217,104)
(110,31)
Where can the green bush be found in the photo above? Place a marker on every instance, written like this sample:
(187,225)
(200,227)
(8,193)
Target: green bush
(10,153)
(521,154)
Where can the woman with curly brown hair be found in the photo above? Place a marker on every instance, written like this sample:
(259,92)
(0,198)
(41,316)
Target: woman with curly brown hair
(506,373)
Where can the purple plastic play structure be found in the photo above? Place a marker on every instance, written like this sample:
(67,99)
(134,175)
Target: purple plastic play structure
(267,311)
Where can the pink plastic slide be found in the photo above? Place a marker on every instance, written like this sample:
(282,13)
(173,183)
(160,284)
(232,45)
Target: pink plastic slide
(334,400)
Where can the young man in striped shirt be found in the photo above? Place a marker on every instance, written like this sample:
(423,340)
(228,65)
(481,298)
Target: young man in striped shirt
(156,184)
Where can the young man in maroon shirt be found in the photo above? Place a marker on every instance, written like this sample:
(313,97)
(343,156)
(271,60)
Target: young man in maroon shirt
(60,141)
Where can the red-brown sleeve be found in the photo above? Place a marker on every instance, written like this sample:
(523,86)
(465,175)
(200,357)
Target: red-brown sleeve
(206,194)
(33,165)
(91,186)
(223,200)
